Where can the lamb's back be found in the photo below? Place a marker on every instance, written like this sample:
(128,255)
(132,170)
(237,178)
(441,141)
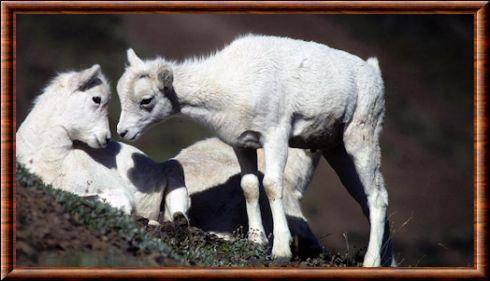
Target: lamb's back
(271,71)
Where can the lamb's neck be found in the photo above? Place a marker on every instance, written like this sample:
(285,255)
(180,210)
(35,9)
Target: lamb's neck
(198,92)
(42,148)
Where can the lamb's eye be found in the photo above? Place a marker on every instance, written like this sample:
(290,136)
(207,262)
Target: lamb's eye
(144,76)
(146,101)
(96,100)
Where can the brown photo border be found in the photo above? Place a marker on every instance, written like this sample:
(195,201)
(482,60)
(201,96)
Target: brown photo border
(9,9)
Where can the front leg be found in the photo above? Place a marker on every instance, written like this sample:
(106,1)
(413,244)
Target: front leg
(276,155)
(177,204)
(177,200)
(247,158)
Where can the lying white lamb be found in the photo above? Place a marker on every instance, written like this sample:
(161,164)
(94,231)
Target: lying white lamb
(64,140)
(272,92)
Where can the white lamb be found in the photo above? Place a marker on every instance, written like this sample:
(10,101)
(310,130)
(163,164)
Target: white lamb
(64,140)
(272,92)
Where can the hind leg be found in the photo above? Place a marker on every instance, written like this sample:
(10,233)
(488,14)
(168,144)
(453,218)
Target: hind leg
(357,164)
(247,158)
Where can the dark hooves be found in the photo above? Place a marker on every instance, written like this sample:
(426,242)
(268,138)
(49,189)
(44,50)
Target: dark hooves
(180,220)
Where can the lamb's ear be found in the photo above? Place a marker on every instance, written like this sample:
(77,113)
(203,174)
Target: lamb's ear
(133,59)
(165,78)
(86,78)
(89,73)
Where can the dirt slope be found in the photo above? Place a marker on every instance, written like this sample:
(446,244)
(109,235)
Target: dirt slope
(56,228)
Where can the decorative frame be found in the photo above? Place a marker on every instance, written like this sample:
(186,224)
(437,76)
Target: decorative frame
(9,10)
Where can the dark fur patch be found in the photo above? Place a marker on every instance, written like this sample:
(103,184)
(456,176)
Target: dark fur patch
(90,84)
(170,94)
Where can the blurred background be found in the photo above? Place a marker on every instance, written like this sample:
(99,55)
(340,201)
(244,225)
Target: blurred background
(427,142)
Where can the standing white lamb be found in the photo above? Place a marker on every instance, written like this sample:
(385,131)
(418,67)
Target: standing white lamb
(272,92)
(65,141)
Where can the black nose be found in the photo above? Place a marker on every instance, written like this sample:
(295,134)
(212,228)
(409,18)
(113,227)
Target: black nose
(122,134)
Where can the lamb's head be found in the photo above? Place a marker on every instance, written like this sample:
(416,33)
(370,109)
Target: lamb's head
(78,102)
(146,95)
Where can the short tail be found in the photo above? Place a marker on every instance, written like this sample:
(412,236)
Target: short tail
(373,62)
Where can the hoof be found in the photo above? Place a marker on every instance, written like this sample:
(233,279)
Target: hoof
(258,237)
(281,247)
(180,219)
(280,261)
(281,252)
